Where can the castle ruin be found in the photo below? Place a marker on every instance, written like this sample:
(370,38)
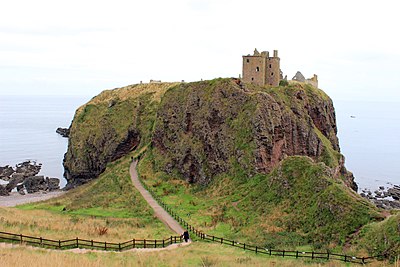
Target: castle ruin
(261,69)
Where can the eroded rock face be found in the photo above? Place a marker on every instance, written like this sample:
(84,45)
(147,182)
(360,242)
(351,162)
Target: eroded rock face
(202,129)
(78,171)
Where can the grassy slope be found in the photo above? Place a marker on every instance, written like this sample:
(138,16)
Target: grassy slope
(110,201)
(297,204)
(382,237)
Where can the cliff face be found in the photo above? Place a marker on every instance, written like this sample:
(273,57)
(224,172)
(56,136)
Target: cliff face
(108,127)
(205,128)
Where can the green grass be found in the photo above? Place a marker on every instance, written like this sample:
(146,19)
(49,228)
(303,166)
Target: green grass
(297,204)
(382,237)
(112,195)
(197,254)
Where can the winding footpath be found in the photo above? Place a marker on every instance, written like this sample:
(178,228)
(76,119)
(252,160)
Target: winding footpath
(158,210)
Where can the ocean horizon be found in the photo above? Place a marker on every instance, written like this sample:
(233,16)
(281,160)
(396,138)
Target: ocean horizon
(367,134)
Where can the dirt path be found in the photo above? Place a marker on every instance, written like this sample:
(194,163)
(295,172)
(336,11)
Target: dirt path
(158,210)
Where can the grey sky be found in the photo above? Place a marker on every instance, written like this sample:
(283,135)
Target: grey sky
(83,47)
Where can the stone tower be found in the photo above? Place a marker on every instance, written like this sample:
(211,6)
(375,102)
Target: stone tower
(261,69)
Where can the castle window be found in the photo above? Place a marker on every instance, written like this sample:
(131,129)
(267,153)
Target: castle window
(270,66)
(252,79)
(257,69)
(247,60)
(272,74)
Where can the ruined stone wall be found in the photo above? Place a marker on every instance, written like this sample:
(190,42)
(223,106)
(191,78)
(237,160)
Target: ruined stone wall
(254,70)
(313,81)
(273,71)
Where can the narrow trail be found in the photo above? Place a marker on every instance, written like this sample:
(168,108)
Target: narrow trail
(158,210)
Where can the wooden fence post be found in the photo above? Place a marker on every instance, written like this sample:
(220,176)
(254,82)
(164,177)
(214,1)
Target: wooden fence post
(345,258)
(327,256)
(312,255)
(91,243)
(170,240)
(270,251)
(144,243)
(21,238)
(155,243)
(119,246)
(244,246)
(222,240)
(163,243)
(256,249)
(59,244)
(283,253)
(233,243)
(297,254)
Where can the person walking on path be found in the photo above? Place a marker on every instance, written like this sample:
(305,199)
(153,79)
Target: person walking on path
(185,236)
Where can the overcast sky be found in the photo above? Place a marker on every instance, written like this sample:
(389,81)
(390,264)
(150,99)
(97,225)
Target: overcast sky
(83,47)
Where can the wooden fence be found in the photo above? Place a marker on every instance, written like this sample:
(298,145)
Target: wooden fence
(88,244)
(260,249)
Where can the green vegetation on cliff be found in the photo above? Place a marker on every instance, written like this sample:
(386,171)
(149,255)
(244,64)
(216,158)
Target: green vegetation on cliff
(109,127)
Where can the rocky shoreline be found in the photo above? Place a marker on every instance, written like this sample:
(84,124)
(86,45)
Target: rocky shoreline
(25,180)
(383,198)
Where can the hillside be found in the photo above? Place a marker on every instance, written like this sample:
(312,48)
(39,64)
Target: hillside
(255,163)
(205,128)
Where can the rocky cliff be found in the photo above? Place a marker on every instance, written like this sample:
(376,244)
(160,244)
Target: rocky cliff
(205,128)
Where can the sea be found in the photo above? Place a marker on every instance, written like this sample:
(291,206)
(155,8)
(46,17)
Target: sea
(368,136)
(28,130)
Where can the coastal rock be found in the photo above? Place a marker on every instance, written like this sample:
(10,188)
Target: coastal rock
(53,183)
(64,132)
(394,192)
(35,184)
(21,189)
(379,197)
(6,172)
(16,179)
(3,191)
(28,168)
(24,177)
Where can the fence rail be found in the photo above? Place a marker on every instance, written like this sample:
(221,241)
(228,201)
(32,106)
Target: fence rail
(260,249)
(88,244)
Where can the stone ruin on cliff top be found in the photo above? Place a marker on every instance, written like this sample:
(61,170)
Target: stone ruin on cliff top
(261,69)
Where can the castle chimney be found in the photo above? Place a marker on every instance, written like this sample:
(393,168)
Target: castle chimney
(275,53)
